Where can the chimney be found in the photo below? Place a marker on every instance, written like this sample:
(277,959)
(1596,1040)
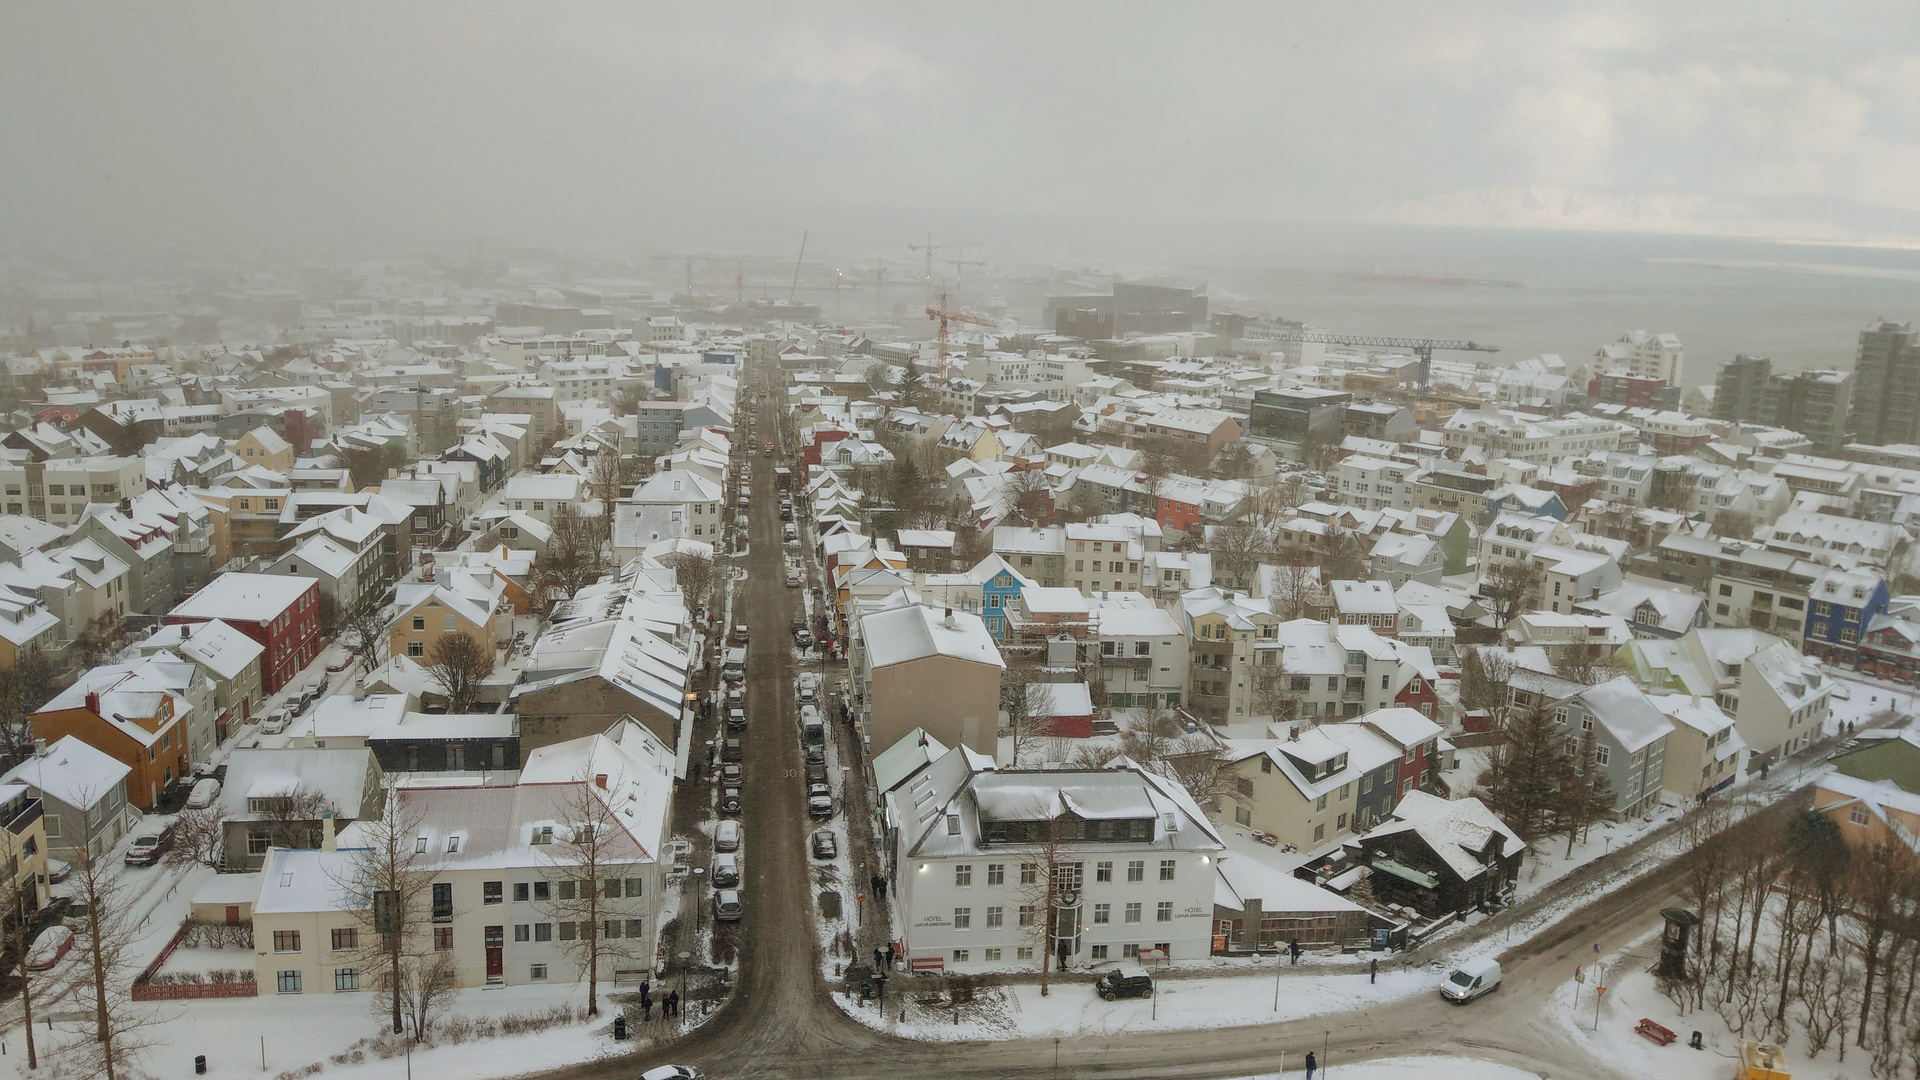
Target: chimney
(600,781)
(950,622)
(326,831)
(93,702)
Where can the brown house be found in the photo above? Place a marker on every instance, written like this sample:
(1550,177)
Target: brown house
(130,720)
(934,670)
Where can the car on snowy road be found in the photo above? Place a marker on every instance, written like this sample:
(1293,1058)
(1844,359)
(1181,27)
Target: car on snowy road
(672,1072)
(824,844)
(1124,982)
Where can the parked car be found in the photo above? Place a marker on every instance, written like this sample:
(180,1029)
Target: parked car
(736,697)
(790,534)
(204,792)
(825,846)
(807,694)
(1124,982)
(786,512)
(804,638)
(274,723)
(672,1072)
(726,836)
(1470,980)
(726,871)
(49,947)
(743,500)
(57,871)
(730,800)
(726,905)
(737,719)
(793,579)
(816,755)
(819,801)
(816,774)
(339,666)
(739,633)
(148,845)
(730,773)
(731,750)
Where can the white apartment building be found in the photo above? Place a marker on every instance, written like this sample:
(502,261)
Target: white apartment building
(1645,355)
(499,900)
(1134,871)
(1103,558)
(672,505)
(1503,433)
(58,490)
(1371,483)
(1144,659)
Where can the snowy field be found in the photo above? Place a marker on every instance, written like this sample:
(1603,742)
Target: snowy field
(1632,995)
(1411,1068)
(296,1032)
(1018,1011)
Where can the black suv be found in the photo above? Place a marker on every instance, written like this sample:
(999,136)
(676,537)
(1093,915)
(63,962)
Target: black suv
(1125,982)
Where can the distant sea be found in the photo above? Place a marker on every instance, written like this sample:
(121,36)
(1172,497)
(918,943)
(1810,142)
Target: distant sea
(1803,305)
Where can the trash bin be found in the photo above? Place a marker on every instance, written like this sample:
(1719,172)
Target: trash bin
(199,1064)
(620,1027)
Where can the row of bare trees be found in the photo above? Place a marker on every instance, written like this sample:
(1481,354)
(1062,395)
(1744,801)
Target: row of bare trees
(1803,935)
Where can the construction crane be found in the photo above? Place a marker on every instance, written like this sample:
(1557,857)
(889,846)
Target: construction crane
(947,315)
(930,247)
(959,265)
(795,287)
(1420,347)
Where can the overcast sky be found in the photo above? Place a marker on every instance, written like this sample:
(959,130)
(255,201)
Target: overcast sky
(263,124)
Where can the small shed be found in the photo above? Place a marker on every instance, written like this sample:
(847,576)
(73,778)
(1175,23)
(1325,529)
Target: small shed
(225,900)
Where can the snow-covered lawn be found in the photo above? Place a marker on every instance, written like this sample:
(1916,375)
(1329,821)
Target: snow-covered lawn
(1410,1068)
(298,1031)
(1018,1011)
(1632,995)
(1549,861)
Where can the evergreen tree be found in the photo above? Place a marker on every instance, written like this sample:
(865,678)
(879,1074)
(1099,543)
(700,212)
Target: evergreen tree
(1588,792)
(1526,781)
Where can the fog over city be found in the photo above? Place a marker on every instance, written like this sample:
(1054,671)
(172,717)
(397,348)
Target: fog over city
(977,541)
(363,127)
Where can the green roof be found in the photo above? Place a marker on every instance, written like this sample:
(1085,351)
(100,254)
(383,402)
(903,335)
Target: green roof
(1896,759)
(1405,872)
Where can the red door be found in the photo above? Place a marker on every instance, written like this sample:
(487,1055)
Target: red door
(496,952)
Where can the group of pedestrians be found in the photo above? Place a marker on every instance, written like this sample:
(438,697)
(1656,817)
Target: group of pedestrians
(669,1005)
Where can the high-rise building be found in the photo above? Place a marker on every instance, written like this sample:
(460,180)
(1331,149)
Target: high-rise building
(1813,403)
(1886,396)
(1740,390)
(1649,356)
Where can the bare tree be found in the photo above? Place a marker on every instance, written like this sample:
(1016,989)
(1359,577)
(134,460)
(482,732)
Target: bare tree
(392,874)
(695,574)
(1029,497)
(24,687)
(1589,665)
(1320,450)
(15,924)
(575,556)
(1238,550)
(294,819)
(1486,677)
(459,663)
(108,943)
(1510,587)
(1733,524)
(592,855)
(608,479)
(1045,880)
(1295,588)
(1344,558)
(427,987)
(1272,687)
(1587,795)
(199,838)
(364,630)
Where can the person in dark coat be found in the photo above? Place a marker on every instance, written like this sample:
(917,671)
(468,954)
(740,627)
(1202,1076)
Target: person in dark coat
(672,1004)
(646,1007)
(1373,970)
(1293,950)
(1311,1065)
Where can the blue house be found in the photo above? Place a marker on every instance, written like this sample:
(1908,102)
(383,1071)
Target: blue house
(1000,585)
(1520,499)
(1840,605)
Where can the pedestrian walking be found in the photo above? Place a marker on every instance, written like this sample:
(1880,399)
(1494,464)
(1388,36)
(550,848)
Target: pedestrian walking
(1293,950)
(646,988)
(646,1007)
(1311,1065)
(1373,971)
(879,958)
(673,1004)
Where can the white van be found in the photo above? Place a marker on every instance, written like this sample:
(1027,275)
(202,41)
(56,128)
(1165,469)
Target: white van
(726,836)
(1470,980)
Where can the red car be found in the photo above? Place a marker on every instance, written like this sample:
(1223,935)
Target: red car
(769,449)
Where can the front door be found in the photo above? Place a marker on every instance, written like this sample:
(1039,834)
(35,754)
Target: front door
(496,952)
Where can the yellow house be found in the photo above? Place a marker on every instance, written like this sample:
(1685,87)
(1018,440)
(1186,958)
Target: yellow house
(428,613)
(23,844)
(264,446)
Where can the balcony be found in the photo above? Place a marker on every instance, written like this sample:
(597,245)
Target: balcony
(29,813)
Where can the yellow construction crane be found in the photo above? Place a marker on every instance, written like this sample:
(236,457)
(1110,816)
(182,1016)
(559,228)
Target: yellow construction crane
(947,315)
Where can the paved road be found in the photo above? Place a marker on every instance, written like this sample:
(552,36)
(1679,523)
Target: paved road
(781,1023)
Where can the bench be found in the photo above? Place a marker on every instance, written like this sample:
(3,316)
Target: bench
(1656,1032)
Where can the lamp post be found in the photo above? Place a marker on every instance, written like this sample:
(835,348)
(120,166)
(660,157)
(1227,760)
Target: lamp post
(1326,1039)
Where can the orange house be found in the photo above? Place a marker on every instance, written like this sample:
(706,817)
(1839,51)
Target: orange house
(1871,813)
(128,720)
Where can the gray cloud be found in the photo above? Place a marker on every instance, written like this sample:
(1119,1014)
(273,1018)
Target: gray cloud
(409,124)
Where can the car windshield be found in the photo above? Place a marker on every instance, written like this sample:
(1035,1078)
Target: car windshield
(1461,978)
